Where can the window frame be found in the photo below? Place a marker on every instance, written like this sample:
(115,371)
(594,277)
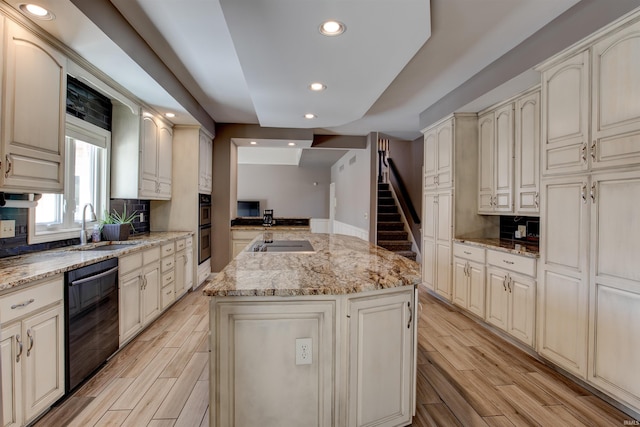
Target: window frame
(76,129)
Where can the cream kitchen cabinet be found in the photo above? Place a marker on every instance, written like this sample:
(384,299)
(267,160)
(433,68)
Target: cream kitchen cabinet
(32,346)
(527,154)
(168,274)
(241,238)
(511,294)
(380,334)
(33,114)
(141,164)
(496,146)
(438,156)
(139,285)
(205,175)
(437,235)
(184,266)
(469,278)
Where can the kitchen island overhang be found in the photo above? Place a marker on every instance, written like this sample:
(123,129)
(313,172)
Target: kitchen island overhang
(320,338)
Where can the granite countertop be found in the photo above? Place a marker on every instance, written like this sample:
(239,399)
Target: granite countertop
(339,265)
(255,223)
(273,227)
(23,269)
(511,246)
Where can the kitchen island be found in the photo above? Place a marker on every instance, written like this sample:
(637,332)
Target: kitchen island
(322,338)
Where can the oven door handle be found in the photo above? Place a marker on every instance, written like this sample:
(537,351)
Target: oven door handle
(94,277)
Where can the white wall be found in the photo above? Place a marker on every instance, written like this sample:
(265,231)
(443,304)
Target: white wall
(351,175)
(288,190)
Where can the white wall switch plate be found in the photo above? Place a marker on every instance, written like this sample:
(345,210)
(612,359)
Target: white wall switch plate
(304,350)
(7,228)
(523,230)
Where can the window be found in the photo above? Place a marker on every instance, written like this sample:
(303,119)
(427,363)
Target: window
(59,216)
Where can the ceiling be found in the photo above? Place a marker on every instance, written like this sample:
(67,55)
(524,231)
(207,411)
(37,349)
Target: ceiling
(243,61)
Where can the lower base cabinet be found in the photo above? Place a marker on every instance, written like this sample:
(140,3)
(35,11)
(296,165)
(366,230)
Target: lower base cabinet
(361,369)
(32,351)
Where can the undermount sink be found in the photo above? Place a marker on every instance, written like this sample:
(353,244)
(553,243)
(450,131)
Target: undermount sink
(282,246)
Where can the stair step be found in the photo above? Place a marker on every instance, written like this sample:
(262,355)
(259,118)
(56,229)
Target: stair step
(384,193)
(407,254)
(392,235)
(395,245)
(390,225)
(388,209)
(383,186)
(392,216)
(386,201)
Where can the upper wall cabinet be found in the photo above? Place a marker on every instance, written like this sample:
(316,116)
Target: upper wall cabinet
(205,175)
(611,92)
(438,156)
(33,114)
(141,155)
(527,154)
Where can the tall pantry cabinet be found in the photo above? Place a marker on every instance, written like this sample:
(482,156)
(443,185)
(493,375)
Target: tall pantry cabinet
(589,290)
(449,196)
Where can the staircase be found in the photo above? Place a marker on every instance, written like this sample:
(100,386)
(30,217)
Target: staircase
(391,231)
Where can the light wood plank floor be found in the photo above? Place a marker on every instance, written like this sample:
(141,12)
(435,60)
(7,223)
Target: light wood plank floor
(466,377)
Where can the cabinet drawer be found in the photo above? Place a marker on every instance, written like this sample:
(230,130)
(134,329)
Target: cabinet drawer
(129,263)
(20,303)
(472,253)
(245,234)
(181,244)
(168,295)
(168,249)
(168,263)
(168,278)
(189,242)
(151,255)
(519,264)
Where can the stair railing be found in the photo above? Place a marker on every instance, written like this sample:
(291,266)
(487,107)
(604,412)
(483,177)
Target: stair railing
(403,196)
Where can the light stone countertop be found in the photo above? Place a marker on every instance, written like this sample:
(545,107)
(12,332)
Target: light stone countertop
(504,245)
(339,265)
(22,269)
(272,228)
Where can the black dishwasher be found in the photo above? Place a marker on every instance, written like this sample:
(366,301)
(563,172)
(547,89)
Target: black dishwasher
(91,319)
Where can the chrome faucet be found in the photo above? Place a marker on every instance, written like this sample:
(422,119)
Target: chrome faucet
(83,232)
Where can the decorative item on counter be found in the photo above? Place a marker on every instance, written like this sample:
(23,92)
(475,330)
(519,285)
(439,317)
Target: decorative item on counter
(116,226)
(95,234)
(267,218)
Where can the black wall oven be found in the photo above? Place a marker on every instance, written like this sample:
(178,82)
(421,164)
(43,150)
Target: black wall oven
(91,319)
(204,228)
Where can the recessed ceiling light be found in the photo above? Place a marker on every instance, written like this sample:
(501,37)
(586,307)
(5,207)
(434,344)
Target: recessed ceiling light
(309,116)
(253,143)
(317,86)
(169,115)
(291,144)
(36,11)
(332,28)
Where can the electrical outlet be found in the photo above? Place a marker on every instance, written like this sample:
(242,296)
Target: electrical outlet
(304,351)
(141,216)
(7,228)
(523,230)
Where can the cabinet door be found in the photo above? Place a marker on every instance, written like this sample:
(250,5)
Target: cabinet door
(130,306)
(503,159)
(522,303)
(44,360)
(443,213)
(430,159)
(527,153)
(460,283)
(485,163)
(497,310)
(205,181)
(444,154)
(476,277)
(165,147)
(12,350)
(615,285)
(616,90)
(442,284)
(151,301)
(149,157)
(380,355)
(181,263)
(429,263)
(565,116)
(35,86)
(188,280)
(563,295)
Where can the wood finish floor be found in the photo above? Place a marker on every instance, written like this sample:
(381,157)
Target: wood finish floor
(466,377)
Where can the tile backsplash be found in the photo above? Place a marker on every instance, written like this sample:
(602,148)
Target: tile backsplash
(139,207)
(509,226)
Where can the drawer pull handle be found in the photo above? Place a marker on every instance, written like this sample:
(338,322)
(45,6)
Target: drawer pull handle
(508,262)
(410,315)
(467,253)
(30,335)
(22,304)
